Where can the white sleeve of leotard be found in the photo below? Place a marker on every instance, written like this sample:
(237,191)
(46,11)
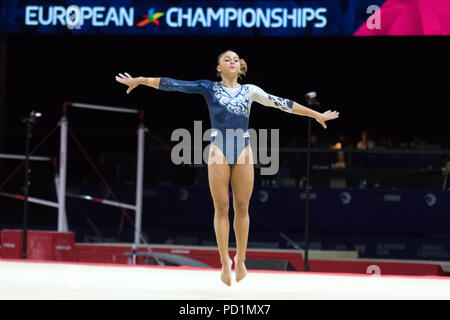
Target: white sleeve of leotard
(259,95)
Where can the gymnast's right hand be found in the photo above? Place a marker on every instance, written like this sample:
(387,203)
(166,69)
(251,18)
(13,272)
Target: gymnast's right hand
(128,80)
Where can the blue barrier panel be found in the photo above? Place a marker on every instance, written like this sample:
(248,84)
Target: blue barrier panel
(377,223)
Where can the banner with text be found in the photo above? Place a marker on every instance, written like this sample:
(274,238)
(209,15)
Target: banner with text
(228,18)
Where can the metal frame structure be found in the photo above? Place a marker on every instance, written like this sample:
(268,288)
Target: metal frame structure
(137,207)
(61,180)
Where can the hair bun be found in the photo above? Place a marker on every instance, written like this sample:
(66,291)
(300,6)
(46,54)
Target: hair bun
(244,67)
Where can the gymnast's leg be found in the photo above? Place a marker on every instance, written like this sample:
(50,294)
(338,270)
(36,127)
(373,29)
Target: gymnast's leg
(219,182)
(242,177)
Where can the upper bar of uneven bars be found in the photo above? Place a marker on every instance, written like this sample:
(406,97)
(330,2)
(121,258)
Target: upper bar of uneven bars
(103,108)
(22,157)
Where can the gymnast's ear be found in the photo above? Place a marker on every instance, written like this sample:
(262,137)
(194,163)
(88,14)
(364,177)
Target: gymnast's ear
(218,73)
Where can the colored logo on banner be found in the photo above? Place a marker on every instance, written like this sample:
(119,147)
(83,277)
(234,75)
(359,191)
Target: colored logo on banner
(151,17)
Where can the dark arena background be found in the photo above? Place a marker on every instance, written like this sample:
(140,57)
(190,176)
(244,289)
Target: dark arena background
(378,212)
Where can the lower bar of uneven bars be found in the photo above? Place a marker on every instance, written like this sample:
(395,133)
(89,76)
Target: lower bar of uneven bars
(104,201)
(104,108)
(30,199)
(22,157)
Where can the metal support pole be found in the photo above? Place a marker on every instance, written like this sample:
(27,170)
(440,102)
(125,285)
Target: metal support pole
(62,221)
(308,165)
(26,187)
(139,182)
(3,68)
(311,100)
(30,121)
(57,184)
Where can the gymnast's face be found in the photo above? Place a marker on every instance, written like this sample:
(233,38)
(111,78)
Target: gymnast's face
(229,65)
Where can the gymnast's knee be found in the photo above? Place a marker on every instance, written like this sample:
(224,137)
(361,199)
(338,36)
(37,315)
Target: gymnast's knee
(240,209)
(221,208)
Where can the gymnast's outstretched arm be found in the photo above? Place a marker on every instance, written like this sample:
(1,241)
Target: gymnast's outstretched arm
(132,83)
(163,83)
(290,106)
(320,117)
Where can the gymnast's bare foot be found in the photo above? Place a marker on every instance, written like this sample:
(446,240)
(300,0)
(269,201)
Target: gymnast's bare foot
(225,275)
(240,269)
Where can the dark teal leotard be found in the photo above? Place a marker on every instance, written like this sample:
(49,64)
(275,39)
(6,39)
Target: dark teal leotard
(229,108)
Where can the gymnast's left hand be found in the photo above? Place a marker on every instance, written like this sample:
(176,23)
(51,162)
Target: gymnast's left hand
(327,115)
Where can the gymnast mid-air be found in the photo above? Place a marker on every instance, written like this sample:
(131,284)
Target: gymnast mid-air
(229,108)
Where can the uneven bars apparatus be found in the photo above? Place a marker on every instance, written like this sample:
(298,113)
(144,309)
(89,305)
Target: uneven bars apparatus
(61,181)
(62,219)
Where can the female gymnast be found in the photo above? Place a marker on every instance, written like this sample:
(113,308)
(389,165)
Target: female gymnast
(229,107)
